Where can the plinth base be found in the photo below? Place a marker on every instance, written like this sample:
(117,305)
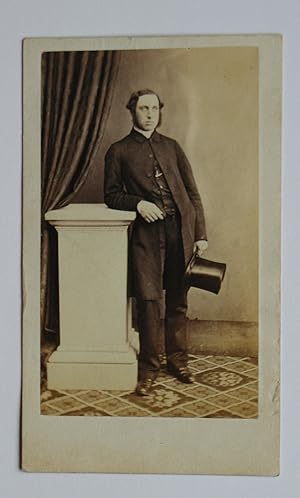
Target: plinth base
(92,370)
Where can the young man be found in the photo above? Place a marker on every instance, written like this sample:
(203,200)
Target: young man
(149,173)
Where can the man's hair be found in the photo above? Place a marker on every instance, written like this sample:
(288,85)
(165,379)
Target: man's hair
(131,105)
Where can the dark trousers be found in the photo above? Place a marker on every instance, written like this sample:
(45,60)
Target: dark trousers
(172,268)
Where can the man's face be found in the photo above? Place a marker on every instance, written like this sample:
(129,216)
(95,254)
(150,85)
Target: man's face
(147,112)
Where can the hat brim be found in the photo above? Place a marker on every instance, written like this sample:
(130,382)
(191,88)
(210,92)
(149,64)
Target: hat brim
(204,274)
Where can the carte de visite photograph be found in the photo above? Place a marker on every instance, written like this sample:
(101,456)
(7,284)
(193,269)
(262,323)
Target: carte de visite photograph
(147,201)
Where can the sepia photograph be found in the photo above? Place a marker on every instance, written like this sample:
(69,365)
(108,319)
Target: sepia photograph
(162,145)
(147,202)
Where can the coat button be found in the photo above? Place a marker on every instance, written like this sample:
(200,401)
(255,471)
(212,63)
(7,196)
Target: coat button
(149,174)
(150,155)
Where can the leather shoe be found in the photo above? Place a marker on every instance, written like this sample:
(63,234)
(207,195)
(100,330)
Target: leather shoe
(144,387)
(182,374)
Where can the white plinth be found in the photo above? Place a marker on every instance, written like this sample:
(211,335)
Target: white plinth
(95,350)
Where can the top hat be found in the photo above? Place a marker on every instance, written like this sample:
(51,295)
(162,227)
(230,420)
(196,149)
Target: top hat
(204,274)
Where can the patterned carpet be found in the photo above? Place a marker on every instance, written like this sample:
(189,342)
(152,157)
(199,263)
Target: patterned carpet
(225,387)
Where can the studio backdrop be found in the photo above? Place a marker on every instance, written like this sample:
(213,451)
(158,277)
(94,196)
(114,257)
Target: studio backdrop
(211,109)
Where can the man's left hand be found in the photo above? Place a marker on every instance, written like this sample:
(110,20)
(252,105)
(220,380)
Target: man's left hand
(200,246)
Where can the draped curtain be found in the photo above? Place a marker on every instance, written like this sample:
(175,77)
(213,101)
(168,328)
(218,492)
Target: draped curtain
(77,89)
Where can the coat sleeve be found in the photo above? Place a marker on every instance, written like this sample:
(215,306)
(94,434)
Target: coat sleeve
(115,195)
(192,191)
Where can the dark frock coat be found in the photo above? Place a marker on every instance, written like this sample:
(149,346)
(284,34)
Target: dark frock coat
(129,179)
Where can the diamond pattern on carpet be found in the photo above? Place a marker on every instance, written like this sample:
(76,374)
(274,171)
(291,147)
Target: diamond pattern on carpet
(221,379)
(225,387)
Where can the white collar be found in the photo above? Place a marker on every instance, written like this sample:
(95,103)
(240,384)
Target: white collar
(146,134)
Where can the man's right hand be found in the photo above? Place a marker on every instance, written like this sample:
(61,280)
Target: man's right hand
(149,211)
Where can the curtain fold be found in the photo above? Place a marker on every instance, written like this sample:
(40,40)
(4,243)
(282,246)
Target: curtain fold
(77,90)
